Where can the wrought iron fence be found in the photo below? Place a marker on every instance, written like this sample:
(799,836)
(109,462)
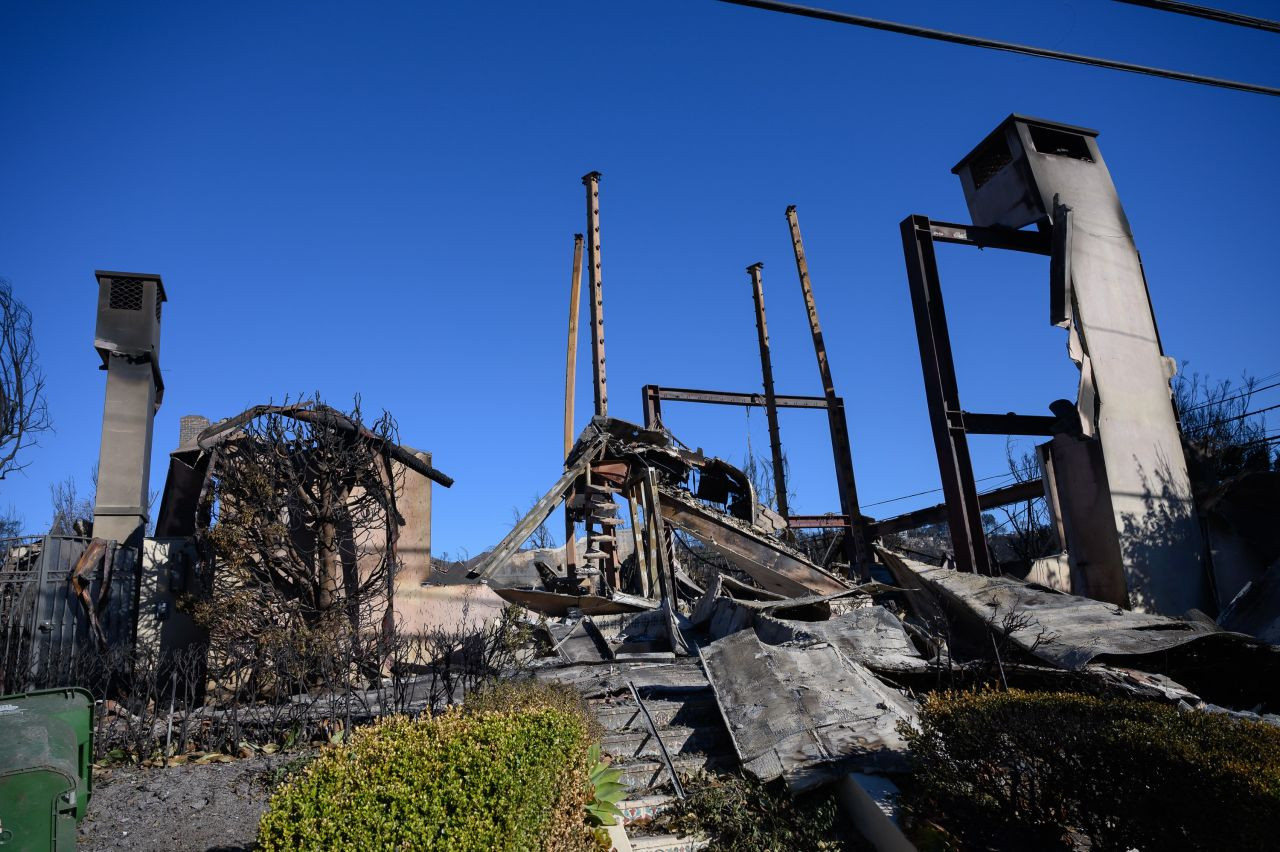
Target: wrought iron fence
(60,596)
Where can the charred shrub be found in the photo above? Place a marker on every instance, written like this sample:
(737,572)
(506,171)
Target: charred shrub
(1015,770)
(735,812)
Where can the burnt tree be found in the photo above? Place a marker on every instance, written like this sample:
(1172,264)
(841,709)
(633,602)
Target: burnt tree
(300,523)
(23,414)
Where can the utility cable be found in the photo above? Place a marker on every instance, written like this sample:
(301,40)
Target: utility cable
(934,490)
(1219,15)
(1006,46)
(1232,419)
(1249,392)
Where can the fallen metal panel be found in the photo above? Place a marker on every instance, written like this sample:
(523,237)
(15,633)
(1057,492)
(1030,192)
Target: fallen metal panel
(550,603)
(807,713)
(770,563)
(872,636)
(1064,630)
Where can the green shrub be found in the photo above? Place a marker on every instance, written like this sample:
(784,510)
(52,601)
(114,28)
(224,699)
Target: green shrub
(505,696)
(1014,770)
(475,781)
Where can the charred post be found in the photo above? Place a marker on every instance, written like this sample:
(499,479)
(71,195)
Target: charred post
(592,183)
(855,546)
(770,398)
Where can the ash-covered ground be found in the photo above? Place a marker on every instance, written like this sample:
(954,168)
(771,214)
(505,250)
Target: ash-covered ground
(214,806)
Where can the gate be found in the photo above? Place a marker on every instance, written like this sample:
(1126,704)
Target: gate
(51,626)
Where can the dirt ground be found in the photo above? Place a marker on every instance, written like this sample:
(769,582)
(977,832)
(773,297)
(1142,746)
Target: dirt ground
(200,808)
(217,806)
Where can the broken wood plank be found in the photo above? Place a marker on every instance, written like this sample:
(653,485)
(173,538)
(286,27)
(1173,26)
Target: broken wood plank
(773,565)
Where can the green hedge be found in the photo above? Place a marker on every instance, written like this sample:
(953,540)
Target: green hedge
(479,781)
(1014,770)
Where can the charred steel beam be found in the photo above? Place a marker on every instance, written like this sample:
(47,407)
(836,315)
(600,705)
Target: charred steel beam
(1015,493)
(770,398)
(817,522)
(1032,242)
(1007,424)
(592,182)
(654,394)
(964,515)
(856,548)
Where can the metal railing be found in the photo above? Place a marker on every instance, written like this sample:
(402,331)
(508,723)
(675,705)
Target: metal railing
(47,614)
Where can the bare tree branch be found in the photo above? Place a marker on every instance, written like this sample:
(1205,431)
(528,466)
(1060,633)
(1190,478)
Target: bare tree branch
(23,413)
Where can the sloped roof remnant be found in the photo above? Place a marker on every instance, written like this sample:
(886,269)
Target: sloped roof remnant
(1065,630)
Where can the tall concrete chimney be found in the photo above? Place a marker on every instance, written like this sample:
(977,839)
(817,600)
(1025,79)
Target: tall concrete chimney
(128,339)
(1122,487)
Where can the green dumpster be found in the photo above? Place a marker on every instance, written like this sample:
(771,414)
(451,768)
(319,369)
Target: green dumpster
(46,749)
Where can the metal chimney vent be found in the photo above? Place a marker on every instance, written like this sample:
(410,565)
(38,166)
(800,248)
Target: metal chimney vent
(129,315)
(126,294)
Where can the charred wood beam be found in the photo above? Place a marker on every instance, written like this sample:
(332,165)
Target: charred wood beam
(769,562)
(532,520)
(1015,493)
(320,416)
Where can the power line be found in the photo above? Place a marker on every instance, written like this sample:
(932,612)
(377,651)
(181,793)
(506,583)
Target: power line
(1006,46)
(1232,419)
(934,490)
(1249,392)
(1219,15)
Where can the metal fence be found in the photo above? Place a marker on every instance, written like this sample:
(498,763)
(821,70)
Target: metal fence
(47,616)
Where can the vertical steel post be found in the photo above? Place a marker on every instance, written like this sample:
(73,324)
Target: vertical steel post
(651,401)
(855,545)
(770,399)
(964,514)
(570,384)
(592,183)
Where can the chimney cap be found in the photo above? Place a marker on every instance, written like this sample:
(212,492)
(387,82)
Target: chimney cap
(99,274)
(1018,118)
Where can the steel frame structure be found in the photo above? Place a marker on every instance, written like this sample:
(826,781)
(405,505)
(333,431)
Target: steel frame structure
(951,423)
(653,395)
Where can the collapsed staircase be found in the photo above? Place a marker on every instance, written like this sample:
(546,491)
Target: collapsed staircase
(676,699)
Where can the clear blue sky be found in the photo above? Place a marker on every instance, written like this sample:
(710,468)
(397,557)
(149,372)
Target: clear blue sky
(380,198)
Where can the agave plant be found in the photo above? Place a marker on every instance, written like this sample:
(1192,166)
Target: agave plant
(606,790)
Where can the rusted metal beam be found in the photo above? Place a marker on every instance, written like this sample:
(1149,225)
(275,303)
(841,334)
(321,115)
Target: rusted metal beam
(770,398)
(654,394)
(942,393)
(856,548)
(592,183)
(1015,493)
(817,522)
